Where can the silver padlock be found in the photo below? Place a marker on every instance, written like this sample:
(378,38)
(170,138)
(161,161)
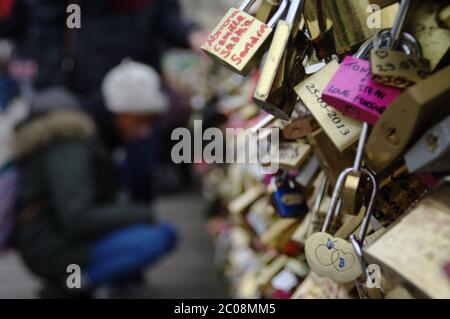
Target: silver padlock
(432,152)
(308,171)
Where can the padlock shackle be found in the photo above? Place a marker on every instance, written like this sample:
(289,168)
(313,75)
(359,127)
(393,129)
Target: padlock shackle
(278,14)
(358,243)
(322,188)
(246,5)
(398,24)
(370,207)
(408,42)
(336,197)
(409,39)
(295,10)
(364,49)
(361,144)
(318,201)
(359,255)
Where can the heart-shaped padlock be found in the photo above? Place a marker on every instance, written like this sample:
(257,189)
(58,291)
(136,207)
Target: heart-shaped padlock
(332,257)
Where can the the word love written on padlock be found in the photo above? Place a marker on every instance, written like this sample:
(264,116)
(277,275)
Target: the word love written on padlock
(353,92)
(238,39)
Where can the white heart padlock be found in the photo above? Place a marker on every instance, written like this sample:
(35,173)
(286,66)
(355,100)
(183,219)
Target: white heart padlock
(332,257)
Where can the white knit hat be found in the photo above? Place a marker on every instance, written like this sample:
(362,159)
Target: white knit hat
(133,87)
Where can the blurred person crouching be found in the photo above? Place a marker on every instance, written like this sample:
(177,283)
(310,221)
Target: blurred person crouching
(80,58)
(67,209)
(133,94)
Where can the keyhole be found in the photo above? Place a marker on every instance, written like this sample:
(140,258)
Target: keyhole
(432,142)
(392,136)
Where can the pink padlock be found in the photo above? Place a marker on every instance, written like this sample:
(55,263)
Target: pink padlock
(353,92)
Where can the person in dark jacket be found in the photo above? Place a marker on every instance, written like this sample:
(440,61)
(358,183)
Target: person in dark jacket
(111,30)
(68,212)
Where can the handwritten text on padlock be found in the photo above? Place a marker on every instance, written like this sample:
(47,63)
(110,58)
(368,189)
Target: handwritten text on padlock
(353,92)
(237,38)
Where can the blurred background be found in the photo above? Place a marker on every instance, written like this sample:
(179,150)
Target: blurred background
(85,154)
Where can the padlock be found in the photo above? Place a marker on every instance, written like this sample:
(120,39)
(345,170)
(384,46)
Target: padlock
(423,23)
(395,68)
(353,92)
(319,28)
(341,129)
(383,3)
(432,152)
(419,106)
(283,67)
(292,155)
(308,171)
(315,211)
(239,39)
(279,233)
(262,123)
(416,247)
(269,271)
(331,160)
(333,257)
(240,204)
(353,185)
(266,10)
(396,194)
(351,194)
(300,127)
(444,17)
(288,199)
(350,27)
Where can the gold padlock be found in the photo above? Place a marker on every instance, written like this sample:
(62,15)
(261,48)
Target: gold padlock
(418,107)
(266,9)
(444,17)
(239,39)
(343,130)
(383,3)
(397,193)
(330,158)
(349,23)
(283,68)
(416,248)
(300,127)
(351,194)
(422,21)
(293,154)
(320,29)
(397,69)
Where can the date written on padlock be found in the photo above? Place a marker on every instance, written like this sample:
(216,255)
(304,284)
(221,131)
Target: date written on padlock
(396,69)
(353,92)
(341,129)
